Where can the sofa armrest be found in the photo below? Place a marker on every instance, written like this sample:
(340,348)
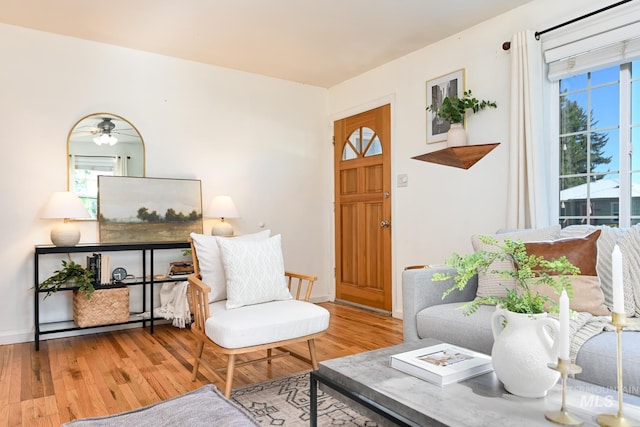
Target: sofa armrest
(420,292)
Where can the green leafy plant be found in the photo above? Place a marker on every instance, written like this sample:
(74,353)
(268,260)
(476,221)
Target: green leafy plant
(529,272)
(73,274)
(453,109)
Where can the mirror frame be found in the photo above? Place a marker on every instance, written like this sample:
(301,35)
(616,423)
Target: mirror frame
(115,116)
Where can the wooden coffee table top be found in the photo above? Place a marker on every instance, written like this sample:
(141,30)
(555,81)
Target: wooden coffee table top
(478,401)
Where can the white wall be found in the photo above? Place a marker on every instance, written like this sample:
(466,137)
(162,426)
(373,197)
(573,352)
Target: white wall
(258,139)
(443,206)
(264,141)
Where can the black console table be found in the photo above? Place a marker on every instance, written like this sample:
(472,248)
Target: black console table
(146,279)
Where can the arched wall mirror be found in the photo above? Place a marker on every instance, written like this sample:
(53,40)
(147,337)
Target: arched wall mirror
(102,144)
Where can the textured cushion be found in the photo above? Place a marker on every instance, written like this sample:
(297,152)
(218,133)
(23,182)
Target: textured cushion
(583,253)
(210,261)
(606,242)
(254,271)
(264,323)
(580,251)
(587,295)
(491,284)
(629,244)
(197,408)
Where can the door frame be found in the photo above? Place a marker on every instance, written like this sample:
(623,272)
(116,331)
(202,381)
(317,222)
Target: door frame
(396,291)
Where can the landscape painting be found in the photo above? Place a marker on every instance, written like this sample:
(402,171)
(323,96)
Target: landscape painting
(138,210)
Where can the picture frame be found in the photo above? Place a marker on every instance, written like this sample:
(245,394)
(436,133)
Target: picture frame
(451,84)
(134,209)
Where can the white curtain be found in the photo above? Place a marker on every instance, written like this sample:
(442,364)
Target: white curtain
(122,166)
(527,199)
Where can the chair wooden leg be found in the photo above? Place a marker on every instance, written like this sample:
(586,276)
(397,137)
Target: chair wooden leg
(231,364)
(312,353)
(269,356)
(196,363)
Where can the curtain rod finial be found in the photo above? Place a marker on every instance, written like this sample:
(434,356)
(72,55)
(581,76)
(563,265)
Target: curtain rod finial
(506,45)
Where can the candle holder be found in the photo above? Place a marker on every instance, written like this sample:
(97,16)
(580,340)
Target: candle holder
(619,321)
(564,417)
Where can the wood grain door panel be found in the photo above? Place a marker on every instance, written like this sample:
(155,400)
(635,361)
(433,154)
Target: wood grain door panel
(362,194)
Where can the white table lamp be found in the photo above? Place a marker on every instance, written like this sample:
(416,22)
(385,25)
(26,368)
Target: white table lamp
(222,207)
(65,205)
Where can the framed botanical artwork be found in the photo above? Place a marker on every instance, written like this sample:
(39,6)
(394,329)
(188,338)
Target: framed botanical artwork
(132,209)
(438,89)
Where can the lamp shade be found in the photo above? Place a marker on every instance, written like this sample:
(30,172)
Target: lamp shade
(222,207)
(64,205)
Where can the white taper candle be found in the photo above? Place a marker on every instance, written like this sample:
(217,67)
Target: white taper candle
(563,352)
(616,276)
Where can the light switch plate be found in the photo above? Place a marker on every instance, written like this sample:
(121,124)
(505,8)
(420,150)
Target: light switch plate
(403,180)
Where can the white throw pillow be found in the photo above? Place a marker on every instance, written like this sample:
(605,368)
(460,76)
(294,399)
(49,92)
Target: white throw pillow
(210,261)
(254,271)
(492,284)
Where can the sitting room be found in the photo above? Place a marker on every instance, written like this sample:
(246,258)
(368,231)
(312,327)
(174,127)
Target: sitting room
(354,145)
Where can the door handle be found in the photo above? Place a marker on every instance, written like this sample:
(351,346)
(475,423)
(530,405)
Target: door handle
(385,223)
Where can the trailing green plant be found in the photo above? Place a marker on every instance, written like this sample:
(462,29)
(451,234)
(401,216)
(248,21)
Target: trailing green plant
(453,109)
(530,271)
(70,273)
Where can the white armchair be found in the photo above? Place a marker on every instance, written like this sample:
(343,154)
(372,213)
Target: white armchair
(265,308)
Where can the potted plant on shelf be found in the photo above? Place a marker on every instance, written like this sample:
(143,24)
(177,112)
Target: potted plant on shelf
(91,307)
(453,110)
(71,274)
(524,335)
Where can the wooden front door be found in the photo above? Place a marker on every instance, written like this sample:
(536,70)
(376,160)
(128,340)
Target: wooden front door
(363,208)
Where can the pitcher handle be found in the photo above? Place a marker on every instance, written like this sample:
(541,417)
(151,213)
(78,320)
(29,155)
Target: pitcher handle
(497,321)
(549,331)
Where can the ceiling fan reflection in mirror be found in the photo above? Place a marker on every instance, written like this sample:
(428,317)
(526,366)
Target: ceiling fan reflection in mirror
(104,136)
(105,130)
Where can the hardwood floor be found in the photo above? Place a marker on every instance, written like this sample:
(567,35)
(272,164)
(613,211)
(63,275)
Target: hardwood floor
(100,374)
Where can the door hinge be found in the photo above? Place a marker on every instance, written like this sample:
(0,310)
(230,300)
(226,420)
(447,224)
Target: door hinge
(333,140)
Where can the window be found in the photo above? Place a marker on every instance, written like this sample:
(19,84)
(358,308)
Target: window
(599,130)
(363,142)
(86,170)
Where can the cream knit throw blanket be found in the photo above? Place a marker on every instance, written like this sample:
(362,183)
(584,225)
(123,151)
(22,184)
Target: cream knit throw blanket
(585,325)
(174,304)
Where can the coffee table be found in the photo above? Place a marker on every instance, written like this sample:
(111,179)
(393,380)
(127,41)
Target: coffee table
(405,400)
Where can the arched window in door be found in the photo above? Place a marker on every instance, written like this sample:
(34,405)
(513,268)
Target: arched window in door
(363,142)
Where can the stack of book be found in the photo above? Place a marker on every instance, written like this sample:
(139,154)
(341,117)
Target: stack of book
(100,265)
(442,364)
(180,269)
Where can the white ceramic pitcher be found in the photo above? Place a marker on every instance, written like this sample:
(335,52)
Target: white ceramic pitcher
(524,345)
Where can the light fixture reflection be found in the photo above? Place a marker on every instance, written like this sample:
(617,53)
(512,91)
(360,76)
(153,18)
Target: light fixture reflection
(105,139)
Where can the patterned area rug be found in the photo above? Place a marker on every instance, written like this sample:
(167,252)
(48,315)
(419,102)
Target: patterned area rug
(285,402)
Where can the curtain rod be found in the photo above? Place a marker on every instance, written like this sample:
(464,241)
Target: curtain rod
(507,45)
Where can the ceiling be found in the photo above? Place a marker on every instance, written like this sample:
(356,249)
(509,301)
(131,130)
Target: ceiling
(321,42)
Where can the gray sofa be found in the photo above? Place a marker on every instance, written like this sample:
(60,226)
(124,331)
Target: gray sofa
(427,315)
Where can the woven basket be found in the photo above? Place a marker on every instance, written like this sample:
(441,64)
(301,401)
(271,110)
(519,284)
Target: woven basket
(105,307)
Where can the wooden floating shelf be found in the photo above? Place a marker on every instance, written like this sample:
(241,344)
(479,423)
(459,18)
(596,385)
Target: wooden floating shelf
(462,157)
